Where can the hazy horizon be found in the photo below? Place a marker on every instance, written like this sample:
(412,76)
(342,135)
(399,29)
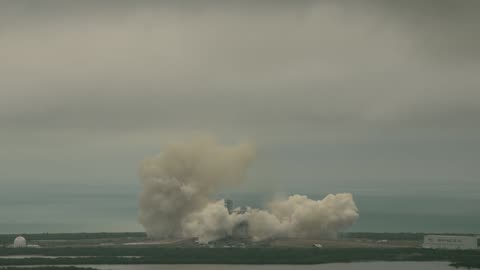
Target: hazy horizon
(97,208)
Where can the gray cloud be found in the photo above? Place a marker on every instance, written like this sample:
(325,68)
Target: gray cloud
(125,73)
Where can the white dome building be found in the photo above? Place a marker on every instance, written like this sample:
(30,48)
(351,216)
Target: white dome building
(20,242)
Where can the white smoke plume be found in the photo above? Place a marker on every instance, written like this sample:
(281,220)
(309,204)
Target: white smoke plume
(177,186)
(181,179)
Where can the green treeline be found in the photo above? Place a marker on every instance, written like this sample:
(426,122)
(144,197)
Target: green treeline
(8,238)
(239,256)
(391,236)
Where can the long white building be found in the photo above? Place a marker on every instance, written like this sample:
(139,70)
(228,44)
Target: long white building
(450,242)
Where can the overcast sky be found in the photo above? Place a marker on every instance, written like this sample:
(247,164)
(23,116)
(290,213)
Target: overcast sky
(337,95)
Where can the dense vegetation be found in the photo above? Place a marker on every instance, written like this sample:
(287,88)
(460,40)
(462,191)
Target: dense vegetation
(239,256)
(46,268)
(188,255)
(390,236)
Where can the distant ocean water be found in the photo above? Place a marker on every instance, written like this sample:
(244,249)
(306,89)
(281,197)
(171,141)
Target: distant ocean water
(92,208)
(402,213)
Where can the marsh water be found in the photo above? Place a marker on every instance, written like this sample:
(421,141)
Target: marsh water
(332,266)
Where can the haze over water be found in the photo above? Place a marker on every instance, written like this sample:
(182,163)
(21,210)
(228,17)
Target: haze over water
(92,208)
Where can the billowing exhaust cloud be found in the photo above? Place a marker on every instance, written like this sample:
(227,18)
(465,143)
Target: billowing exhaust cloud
(180,180)
(177,186)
